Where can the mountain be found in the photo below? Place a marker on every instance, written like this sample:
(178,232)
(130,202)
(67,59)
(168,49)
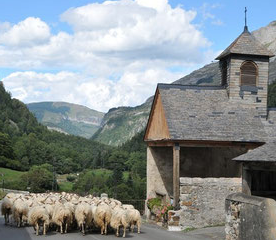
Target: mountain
(24,142)
(122,123)
(67,118)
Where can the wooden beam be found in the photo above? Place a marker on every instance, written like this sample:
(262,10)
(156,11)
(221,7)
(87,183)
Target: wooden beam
(260,166)
(176,176)
(246,181)
(193,143)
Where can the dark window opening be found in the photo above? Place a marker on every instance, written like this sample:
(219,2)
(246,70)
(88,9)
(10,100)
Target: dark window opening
(263,183)
(224,73)
(249,74)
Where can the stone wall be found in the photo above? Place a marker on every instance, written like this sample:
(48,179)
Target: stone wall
(202,201)
(250,217)
(233,220)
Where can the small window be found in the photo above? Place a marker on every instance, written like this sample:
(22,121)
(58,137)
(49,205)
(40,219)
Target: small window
(249,74)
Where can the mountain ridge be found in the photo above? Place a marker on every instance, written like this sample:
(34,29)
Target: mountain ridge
(68,118)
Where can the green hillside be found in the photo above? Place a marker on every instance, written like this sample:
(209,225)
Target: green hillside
(121,124)
(67,117)
(24,142)
(8,177)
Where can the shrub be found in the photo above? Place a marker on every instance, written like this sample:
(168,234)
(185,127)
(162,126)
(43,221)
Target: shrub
(154,202)
(71,178)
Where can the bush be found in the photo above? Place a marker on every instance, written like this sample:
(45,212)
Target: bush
(71,178)
(39,178)
(154,202)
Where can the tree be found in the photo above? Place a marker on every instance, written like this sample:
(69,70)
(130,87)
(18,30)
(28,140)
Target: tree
(6,149)
(39,178)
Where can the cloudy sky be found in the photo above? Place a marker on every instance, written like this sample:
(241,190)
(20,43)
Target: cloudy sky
(107,54)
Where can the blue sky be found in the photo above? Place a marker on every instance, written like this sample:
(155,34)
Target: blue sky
(109,53)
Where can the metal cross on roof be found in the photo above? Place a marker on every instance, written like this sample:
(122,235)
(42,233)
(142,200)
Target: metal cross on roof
(245,20)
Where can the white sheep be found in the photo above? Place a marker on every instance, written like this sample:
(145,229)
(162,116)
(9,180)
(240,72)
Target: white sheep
(62,217)
(102,216)
(119,219)
(20,211)
(134,218)
(38,216)
(6,207)
(83,216)
(127,206)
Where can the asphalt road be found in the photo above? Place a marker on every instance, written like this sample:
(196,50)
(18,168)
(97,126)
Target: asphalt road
(148,232)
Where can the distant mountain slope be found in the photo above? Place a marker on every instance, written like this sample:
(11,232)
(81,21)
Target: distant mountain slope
(207,75)
(121,124)
(67,117)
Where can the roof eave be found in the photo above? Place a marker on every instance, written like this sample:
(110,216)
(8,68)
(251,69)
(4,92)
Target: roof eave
(223,55)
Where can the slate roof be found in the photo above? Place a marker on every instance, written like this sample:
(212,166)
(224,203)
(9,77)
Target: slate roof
(206,113)
(246,44)
(265,153)
(270,125)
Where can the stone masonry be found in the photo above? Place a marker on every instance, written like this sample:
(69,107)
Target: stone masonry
(202,201)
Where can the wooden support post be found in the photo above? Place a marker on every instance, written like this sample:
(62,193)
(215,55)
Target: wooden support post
(246,181)
(176,166)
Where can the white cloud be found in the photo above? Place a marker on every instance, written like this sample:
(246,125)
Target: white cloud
(131,89)
(26,33)
(119,49)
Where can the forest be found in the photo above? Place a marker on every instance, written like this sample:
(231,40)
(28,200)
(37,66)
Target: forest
(28,146)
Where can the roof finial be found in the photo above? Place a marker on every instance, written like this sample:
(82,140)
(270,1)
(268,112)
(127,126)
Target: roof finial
(245,21)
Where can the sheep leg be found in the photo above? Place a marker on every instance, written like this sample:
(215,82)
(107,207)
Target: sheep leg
(117,233)
(19,222)
(124,232)
(44,228)
(66,226)
(138,227)
(105,228)
(132,227)
(61,229)
(6,219)
(37,229)
(83,230)
(102,229)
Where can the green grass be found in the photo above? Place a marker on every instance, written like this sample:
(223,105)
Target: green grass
(2,194)
(9,175)
(188,229)
(65,186)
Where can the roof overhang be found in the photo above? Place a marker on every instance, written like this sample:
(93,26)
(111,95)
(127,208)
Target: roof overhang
(201,143)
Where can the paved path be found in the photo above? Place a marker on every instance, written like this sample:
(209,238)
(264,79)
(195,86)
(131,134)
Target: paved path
(149,232)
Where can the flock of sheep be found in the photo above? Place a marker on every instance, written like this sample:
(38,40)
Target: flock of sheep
(66,211)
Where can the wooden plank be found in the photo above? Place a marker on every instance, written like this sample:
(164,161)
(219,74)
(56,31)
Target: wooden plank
(260,166)
(157,127)
(176,176)
(246,181)
(184,143)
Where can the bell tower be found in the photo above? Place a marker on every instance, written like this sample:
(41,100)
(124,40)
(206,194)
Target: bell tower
(244,71)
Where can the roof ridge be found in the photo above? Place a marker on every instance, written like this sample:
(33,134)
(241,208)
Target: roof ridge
(181,86)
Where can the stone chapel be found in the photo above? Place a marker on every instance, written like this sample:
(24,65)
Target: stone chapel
(194,132)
